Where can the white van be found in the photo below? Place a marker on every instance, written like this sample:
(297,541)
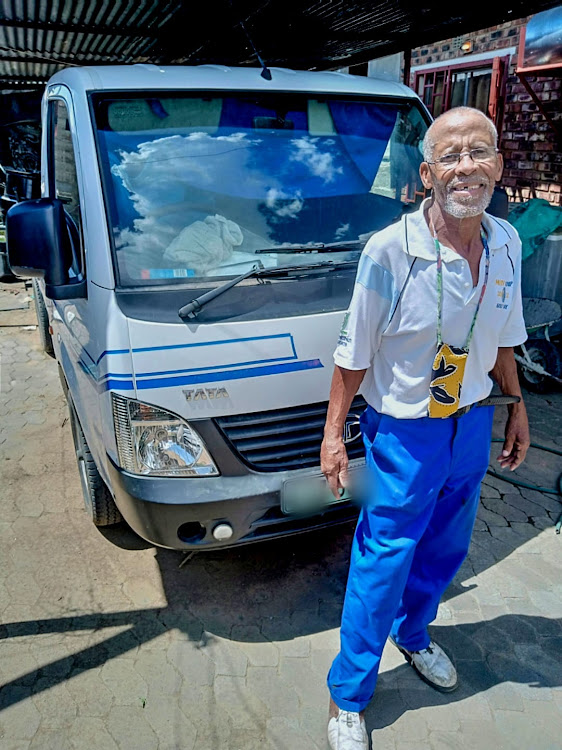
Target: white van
(197,240)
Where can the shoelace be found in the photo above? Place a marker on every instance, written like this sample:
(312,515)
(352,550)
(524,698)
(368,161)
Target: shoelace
(349,718)
(428,650)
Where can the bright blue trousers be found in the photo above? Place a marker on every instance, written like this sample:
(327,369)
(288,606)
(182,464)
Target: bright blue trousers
(413,533)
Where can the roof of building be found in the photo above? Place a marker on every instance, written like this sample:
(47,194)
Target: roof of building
(38,38)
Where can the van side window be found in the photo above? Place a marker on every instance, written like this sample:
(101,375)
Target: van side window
(63,178)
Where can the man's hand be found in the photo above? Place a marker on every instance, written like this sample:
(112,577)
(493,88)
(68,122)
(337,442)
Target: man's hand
(517,439)
(334,462)
(333,456)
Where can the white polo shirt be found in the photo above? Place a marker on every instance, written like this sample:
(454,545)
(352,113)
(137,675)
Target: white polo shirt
(390,329)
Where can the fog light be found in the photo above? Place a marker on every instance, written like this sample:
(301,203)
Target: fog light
(222,532)
(192,533)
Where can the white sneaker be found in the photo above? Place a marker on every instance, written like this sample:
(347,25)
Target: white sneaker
(433,666)
(347,731)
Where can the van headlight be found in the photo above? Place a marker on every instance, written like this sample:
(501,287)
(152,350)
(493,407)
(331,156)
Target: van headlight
(153,442)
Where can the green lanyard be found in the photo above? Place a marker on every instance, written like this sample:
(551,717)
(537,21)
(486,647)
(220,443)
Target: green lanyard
(440,291)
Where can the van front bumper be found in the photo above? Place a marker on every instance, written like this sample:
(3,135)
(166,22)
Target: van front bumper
(182,512)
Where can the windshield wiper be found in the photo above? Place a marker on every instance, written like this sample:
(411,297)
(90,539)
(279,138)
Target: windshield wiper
(315,247)
(258,271)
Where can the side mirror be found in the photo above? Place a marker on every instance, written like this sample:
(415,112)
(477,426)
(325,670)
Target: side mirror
(39,244)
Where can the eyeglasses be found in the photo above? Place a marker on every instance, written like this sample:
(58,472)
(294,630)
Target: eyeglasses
(476,154)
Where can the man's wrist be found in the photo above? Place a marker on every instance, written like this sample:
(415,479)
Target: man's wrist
(518,408)
(332,434)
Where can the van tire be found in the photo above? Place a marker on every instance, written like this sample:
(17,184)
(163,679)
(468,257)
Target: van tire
(97,498)
(42,320)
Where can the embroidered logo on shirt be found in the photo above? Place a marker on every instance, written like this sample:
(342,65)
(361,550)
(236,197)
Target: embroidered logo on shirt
(503,293)
(344,339)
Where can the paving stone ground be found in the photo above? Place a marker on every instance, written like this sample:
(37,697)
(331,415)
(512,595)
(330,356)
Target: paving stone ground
(106,643)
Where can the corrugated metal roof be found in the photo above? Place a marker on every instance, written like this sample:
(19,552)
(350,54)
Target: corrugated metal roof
(38,37)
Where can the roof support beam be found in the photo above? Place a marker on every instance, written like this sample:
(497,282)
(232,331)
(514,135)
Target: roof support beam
(59,60)
(82,28)
(31,82)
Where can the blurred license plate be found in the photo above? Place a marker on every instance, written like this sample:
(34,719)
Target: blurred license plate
(312,493)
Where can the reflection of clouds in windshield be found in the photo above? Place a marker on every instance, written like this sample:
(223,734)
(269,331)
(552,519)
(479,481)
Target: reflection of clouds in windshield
(177,160)
(321,164)
(341,231)
(290,210)
(169,179)
(174,181)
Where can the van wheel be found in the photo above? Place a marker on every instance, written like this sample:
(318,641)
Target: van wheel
(42,320)
(97,498)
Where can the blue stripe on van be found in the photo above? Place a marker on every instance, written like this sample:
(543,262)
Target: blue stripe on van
(192,369)
(116,382)
(216,343)
(111,351)
(213,377)
(117,385)
(213,367)
(115,375)
(145,375)
(189,346)
(123,381)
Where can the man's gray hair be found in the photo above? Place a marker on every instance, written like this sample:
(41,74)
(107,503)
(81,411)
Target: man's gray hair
(429,142)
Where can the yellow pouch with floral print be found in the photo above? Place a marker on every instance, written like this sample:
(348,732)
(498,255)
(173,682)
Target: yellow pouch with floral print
(447,375)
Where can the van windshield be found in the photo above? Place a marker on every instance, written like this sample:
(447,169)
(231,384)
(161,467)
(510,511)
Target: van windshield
(196,185)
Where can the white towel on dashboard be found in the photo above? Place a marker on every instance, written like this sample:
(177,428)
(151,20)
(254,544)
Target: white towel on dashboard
(205,245)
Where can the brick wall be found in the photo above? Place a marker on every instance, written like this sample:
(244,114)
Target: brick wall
(486,40)
(533,159)
(531,148)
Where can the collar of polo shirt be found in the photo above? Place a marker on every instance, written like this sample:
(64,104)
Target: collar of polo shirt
(419,241)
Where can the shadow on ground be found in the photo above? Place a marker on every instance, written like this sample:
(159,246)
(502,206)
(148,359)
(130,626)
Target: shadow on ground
(279,591)
(517,649)
(290,588)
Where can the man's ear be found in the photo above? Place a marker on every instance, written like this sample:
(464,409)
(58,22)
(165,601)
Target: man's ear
(425,174)
(499,171)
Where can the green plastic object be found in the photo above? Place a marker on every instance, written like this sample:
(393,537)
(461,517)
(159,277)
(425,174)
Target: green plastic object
(535,220)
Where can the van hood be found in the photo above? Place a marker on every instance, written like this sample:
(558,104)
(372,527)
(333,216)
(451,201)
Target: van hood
(201,371)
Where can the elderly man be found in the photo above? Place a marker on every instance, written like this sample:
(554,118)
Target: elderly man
(436,306)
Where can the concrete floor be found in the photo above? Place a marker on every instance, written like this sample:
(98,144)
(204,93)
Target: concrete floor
(106,643)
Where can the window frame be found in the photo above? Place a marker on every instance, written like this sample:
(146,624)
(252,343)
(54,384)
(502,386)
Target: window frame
(499,65)
(95,96)
(53,102)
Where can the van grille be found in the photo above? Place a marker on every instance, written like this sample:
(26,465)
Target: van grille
(285,438)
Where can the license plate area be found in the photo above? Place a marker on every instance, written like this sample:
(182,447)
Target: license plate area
(305,495)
